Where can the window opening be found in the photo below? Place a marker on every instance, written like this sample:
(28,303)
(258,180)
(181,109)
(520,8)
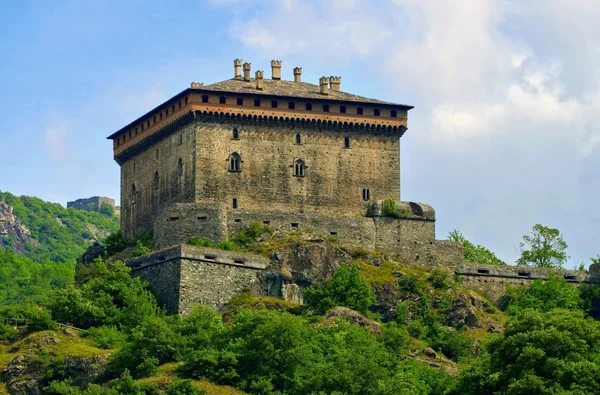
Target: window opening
(342,109)
(204,99)
(325,107)
(346,142)
(274,104)
(156,180)
(180,167)
(376,112)
(240,101)
(235,162)
(235,134)
(366,194)
(222,100)
(234,203)
(359,110)
(256,102)
(394,114)
(298,138)
(299,168)
(291,105)
(160,116)
(308,106)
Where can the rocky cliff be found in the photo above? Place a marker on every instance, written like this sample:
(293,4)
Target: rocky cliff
(13,233)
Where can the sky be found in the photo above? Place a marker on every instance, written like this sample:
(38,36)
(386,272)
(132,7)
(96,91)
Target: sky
(505,132)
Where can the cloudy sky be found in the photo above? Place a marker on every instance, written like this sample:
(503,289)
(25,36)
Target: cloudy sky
(506,127)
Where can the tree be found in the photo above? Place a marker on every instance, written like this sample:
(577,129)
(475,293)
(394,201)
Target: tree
(543,247)
(475,253)
(107,209)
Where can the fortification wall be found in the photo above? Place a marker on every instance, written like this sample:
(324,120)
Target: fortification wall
(184,276)
(335,176)
(91,204)
(162,174)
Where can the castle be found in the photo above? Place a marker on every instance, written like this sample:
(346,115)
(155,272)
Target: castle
(290,154)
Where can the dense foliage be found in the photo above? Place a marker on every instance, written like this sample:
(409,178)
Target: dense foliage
(62,234)
(475,253)
(543,247)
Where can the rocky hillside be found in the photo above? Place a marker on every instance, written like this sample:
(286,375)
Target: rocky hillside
(47,231)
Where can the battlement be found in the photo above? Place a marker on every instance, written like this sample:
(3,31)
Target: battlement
(91,204)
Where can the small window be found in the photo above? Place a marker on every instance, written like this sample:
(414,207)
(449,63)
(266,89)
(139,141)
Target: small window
(346,142)
(237,220)
(298,138)
(235,134)
(130,134)
(180,167)
(142,127)
(274,103)
(234,203)
(524,274)
(299,168)
(325,107)
(366,194)
(308,106)
(134,167)
(239,261)
(359,110)
(240,101)
(222,100)
(342,109)
(148,124)
(180,138)
(394,114)
(156,180)
(118,141)
(173,108)
(136,131)
(204,99)
(179,103)
(157,154)
(160,116)
(133,193)
(294,225)
(483,271)
(256,102)
(154,119)
(376,112)
(291,105)
(235,162)
(167,112)
(186,100)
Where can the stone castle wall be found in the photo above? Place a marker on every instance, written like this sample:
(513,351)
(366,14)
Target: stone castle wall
(184,276)
(91,204)
(141,196)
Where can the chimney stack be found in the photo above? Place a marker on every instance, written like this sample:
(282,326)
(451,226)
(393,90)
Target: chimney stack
(259,79)
(237,69)
(323,82)
(247,71)
(276,69)
(297,74)
(334,83)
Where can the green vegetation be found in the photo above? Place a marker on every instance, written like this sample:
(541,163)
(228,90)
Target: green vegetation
(62,235)
(477,254)
(544,247)
(541,295)
(391,208)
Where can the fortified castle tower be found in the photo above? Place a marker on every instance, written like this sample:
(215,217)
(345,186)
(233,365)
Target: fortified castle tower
(287,153)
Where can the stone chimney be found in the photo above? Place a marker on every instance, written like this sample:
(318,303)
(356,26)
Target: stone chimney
(247,71)
(334,83)
(297,74)
(237,69)
(323,82)
(259,79)
(276,69)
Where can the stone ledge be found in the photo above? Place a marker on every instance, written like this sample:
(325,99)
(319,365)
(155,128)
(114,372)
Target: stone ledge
(526,273)
(199,254)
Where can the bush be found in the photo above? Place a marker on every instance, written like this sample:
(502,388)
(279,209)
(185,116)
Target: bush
(454,345)
(115,243)
(547,295)
(140,249)
(475,253)
(106,336)
(346,288)
(184,387)
(590,295)
(107,209)
(439,279)
(391,208)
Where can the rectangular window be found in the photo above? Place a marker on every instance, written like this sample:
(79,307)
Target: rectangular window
(274,104)
(256,103)
(308,106)
(294,225)
(234,203)
(291,105)
(366,194)
(342,109)
(325,107)
(394,114)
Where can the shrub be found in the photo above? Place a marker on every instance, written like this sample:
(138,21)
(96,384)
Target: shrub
(107,209)
(184,387)
(547,295)
(391,208)
(115,243)
(590,295)
(454,345)
(106,336)
(140,249)
(439,279)
(346,288)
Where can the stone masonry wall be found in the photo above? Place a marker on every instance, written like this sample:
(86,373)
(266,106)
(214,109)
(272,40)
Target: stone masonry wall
(91,204)
(141,197)
(183,276)
(335,176)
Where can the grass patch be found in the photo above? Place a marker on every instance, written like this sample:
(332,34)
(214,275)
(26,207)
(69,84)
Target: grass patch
(382,274)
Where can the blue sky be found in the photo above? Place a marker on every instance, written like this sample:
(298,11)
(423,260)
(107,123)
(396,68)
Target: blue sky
(504,134)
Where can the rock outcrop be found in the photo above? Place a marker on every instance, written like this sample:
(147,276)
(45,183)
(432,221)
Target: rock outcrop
(13,234)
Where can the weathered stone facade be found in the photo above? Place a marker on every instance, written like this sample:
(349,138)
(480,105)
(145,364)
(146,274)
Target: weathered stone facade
(183,276)
(91,204)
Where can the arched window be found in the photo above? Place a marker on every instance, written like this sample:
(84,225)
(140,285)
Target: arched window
(299,168)
(204,99)
(240,101)
(235,134)
(376,112)
(346,142)
(180,167)
(235,162)
(342,109)
(359,110)
(298,138)
(156,180)
(222,100)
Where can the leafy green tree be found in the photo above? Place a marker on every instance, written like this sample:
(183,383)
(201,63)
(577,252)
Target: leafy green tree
(541,295)
(184,387)
(543,247)
(346,288)
(475,253)
(554,352)
(590,295)
(107,209)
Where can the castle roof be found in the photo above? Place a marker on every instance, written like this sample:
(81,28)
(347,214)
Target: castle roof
(282,88)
